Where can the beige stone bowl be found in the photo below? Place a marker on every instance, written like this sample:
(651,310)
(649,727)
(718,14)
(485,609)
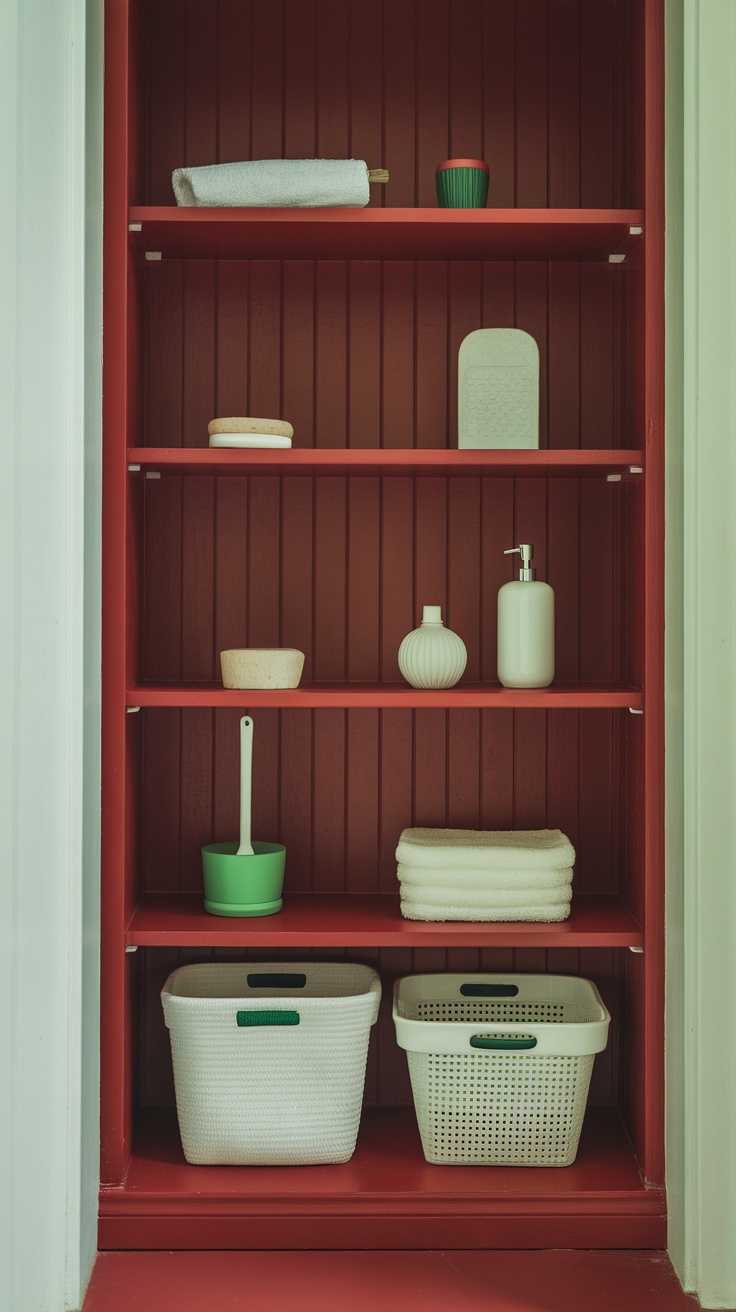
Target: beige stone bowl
(262,667)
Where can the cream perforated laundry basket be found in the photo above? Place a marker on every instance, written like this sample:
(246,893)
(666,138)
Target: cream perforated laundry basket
(269,1059)
(500,1064)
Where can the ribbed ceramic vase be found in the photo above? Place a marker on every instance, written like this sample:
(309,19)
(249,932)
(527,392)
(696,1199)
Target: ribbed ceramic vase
(432,656)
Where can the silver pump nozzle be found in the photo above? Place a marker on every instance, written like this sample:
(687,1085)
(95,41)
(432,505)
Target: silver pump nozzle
(526,551)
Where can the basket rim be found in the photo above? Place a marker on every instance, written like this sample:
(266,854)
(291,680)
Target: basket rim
(371,978)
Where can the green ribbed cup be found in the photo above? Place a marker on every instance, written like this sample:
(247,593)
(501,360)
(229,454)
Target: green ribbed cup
(462,188)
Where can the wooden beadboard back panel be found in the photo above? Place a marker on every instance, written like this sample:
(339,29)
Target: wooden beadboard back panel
(387,1079)
(364,353)
(534,87)
(340,568)
(338,786)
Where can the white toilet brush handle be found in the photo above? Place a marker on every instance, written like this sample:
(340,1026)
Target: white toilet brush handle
(246,772)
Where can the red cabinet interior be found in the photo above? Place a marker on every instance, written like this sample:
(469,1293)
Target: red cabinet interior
(348,323)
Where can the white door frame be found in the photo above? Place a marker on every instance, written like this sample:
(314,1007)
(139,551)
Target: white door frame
(50,275)
(701,646)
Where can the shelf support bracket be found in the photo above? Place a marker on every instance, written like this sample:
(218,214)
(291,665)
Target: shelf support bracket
(134,948)
(135,227)
(131,710)
(134,469)
(613,259)
(152,473)
(633,471)
(153,255)
(631,949)
(634,710)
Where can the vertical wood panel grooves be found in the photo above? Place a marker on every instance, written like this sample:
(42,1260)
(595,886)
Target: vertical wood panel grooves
(382,355)
(549,152)
(516,141)
(350,85)
(416,123)
(250,80)
(382,200)
(580,105)
(218,81)
(450,143)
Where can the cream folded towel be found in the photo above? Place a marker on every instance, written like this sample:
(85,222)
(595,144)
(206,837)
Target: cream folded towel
(486,849)
(489,880)
(299,183)
(430,911)
(502,897)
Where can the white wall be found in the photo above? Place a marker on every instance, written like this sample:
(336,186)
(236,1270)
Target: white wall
(49,662)
(701,1017)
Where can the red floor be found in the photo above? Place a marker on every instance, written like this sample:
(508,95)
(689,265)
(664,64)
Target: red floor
(611,1281)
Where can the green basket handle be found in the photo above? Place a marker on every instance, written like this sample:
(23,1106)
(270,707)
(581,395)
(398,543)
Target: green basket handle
(247,1019)
(489,990)
(502,1045)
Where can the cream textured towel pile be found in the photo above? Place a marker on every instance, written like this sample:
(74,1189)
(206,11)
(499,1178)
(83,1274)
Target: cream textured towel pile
(485,875)
(440,911)
(297,183)
(486,849)
(485,883)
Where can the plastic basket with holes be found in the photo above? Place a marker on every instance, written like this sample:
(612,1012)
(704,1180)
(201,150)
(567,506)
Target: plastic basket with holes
(269,1059)
(500,1064)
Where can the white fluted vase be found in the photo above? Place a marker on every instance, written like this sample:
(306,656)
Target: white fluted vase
(432,656)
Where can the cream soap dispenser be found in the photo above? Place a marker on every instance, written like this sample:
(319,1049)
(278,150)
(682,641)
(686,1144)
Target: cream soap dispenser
(526,627)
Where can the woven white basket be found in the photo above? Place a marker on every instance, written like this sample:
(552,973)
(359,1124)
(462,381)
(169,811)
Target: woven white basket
(269,1059)
(480,1099)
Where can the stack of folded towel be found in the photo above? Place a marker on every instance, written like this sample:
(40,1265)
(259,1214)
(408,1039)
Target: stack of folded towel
(470,874)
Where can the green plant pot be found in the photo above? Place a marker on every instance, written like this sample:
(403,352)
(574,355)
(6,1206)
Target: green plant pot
(462,184)
(243,885)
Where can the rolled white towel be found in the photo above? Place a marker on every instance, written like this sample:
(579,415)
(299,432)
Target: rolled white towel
(486,849)
(295,183)
(500,897)
(431,911)
(489,880)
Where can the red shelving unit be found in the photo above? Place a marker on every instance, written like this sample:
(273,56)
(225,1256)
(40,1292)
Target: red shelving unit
(348,323)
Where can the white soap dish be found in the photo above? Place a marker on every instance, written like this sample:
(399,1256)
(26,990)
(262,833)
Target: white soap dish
(252,440)
(261,667)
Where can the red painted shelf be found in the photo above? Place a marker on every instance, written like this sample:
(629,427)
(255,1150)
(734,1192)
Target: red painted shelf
(600,696)
(375,462)
(398,234)
(357,920)
(387,1180)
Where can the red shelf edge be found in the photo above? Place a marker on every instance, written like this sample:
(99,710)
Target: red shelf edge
(387,696)
(375,921)
(384,233)
(412,458)
(355,216)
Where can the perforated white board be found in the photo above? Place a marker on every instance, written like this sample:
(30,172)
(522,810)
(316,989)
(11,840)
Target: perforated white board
(498,390)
